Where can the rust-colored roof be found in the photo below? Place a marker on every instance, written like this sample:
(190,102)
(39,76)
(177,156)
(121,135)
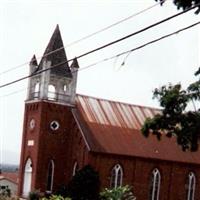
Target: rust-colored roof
(114,128)
(11,176)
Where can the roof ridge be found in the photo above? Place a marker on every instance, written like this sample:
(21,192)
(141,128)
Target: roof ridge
(115,101)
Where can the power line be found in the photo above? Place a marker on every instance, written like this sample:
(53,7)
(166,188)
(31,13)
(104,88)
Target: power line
(88,36)
(106,59)
(128,36)
(116,23)
(137,32)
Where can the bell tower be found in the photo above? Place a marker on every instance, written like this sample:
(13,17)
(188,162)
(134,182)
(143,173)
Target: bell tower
(50,98)
(52,79)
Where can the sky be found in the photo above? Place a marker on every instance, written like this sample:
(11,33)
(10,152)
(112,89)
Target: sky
(26,27)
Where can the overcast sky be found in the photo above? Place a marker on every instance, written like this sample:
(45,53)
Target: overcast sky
(26,27)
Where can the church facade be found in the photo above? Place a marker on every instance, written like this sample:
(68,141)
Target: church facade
(64,131)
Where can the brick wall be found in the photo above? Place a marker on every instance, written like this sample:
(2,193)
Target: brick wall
(137,173)
(66,146)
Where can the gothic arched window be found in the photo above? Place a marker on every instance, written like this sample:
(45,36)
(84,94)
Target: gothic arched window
(116,176)
(191,186)
(155,185)
(50,176)
(27,177)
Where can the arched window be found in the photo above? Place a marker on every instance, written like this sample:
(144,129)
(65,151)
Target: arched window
(75,168)
(155,185)
(116,176)
(191,186)
(51,92)
(50,176)
(36,90)
(27,177)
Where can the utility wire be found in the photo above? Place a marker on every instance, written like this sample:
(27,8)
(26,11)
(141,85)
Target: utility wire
(116,23)
(88,36)
(106,59)
(137,32)
(130,35)
(126,37)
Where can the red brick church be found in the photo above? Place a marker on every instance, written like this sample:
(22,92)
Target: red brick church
(64,131)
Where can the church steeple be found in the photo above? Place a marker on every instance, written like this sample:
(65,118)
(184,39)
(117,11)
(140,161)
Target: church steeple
(56,82)
(55,53)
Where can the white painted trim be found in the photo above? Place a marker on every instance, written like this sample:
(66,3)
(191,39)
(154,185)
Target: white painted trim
(30,143)
(51,162)
(74,168)
(49,101)
(117,168)
(79,127)
(191,188)
(156,174)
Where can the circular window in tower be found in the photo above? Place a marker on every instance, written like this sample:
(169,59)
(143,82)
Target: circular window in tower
(32,124)
(54,125)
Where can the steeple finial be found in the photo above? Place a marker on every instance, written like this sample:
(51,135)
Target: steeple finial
(74,63)
(33,61)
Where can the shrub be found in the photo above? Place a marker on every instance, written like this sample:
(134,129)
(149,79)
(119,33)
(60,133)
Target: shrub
(34,195)
(118,193)
(56,197)
(85,184)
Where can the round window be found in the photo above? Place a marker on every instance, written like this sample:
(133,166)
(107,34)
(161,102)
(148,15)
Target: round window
(32,124)
(54,125)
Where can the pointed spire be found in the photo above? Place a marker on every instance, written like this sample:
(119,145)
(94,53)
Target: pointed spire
(55,53)
(55,42)
(74,63)
(33,61)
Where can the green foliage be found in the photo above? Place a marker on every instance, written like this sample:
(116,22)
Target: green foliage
(5,191)
(175,120)
(84,185)
(118,193)
(56,197)
(185,4)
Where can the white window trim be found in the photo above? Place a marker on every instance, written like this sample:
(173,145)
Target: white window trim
(156,174)
(191,188)
(52,175)
(117,169)
(74,168)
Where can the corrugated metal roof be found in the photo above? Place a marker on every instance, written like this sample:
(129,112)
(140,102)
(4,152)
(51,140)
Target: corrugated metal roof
(114,127)
(112,113)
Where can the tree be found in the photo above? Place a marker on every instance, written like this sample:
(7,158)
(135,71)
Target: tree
(174,119)
(85,184)
(185,4)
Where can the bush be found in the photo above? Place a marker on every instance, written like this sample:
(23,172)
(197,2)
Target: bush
(56,197)
(34,195)
(5,191)
(118,193)
(85,184)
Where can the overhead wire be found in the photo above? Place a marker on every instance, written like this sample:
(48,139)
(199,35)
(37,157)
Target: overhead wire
(130,35)
(113,42)
(106,59)
(88,36)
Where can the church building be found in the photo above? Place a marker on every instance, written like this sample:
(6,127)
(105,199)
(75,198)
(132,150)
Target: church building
(64,131)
